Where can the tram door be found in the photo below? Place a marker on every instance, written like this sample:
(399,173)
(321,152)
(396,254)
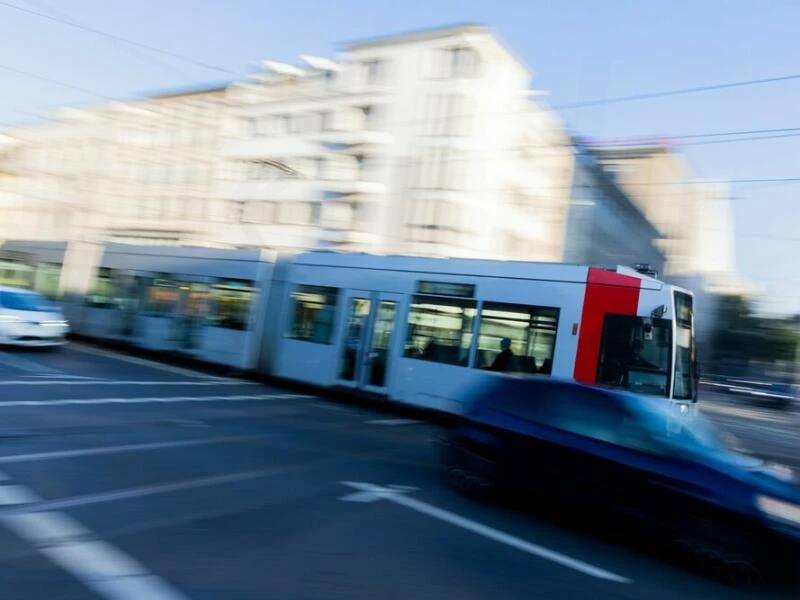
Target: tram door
(129,291)
(191,307)
(367,339)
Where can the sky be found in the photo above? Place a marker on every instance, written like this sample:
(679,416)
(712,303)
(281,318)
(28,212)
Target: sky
(579,50)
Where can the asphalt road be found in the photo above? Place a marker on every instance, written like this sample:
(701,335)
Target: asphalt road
(125,479)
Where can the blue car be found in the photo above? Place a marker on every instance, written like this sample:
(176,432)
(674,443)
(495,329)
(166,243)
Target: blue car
(663,467)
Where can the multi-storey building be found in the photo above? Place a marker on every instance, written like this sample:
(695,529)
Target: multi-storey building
(427,143)
(128,171)
(695,217)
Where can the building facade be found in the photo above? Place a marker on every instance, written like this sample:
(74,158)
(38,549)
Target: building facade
(695,218)
(428,143)
(604,225)
(139,171)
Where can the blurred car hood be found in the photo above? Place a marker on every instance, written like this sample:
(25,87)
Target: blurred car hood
(767,477)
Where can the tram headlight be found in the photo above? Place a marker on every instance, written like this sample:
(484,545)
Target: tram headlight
(786,512)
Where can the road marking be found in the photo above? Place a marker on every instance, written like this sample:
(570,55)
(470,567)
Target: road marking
(393,422)
(23,364)
(98,565)
(333,408)
(59,454)
(147,490)
(142,361)
(62,376)
(369,492)
(65,381)
(151,399)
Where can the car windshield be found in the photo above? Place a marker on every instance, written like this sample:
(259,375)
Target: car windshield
(27,301)
(684,429)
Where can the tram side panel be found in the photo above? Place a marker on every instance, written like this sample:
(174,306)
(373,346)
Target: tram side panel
(197,302)
(378,331)
(272,315)
(545,345)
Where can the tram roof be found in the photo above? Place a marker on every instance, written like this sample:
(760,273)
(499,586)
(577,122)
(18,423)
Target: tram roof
(512,269)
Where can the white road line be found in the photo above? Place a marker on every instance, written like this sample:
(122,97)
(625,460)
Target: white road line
(55,381)
(23,364)
(141,361)
(98,565)
(97,451)
(62,376)
(149,490)
(393,422)
(333,408)
(399,496)
(150,400)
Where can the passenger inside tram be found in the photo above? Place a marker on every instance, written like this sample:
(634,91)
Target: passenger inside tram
(505,360)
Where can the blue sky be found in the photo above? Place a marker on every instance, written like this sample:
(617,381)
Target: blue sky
(578,49)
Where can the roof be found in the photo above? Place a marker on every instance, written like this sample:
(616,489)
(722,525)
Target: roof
(436,33)
(419,35)
(471,268)
(208,88)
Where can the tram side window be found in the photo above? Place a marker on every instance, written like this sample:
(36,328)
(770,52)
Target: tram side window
(314,312)
(162,297)
(103,292)
(440,329)
(47,279)
(531,330)
(16,274)
(231,302)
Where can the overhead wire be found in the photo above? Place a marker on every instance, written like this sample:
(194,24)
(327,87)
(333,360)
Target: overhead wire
(124,47)
(675,92)
(57,82)
(118,38)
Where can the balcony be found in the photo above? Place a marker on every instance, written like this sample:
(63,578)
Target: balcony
(339,237)
(346,140)
(273,190)
(270,147)
(351,186)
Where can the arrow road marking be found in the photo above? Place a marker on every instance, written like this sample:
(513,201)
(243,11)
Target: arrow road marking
(368,492)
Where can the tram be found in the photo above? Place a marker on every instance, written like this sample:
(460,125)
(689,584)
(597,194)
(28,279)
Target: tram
(417,329)
(413,330)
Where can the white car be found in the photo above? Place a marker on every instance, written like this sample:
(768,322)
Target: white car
(28,319)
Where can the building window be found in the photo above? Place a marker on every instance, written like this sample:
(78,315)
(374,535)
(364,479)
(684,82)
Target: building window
(373,71)
(286,125)
(364,216)
(371,117)
(531,329)
(295,213)
(462,62)
(440,329)
(313,313)
(230,304)
(316,212)
(319,167)
(325,120)
(447,114)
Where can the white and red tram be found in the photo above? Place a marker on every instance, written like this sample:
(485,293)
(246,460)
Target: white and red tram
(414,330)
(417,330)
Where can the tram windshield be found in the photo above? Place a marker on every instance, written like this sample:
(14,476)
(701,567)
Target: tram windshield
(635,354)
